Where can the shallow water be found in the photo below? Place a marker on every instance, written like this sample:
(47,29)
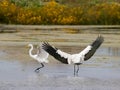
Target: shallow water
(101,72)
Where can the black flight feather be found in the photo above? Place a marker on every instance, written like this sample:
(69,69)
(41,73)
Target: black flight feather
(53,51)
(95,45)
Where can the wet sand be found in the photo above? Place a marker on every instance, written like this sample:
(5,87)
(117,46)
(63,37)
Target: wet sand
(101,72)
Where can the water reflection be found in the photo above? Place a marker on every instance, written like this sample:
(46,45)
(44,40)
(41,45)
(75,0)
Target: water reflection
(109,51)
(114,51)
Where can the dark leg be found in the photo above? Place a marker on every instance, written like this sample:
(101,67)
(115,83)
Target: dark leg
(77,69)
(42,65)
(37,70)
(74,70)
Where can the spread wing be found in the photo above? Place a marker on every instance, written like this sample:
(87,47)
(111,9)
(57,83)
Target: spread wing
(94,46)
(61,56)
(42,53)
(57,54)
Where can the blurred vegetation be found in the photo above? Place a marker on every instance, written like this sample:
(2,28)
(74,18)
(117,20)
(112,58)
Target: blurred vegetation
(86,2)
(79,12)
(27,3)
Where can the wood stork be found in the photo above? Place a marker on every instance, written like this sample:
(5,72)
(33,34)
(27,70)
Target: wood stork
(76,59)
(41,56)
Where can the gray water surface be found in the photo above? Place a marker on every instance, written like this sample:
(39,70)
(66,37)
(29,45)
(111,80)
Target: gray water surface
(101,72)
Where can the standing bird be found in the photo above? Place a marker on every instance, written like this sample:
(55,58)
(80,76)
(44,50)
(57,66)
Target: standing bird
(76,59)
(41,56)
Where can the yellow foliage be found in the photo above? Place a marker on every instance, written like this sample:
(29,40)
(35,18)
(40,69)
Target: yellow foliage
(55,13)
(8,11)
(27,16)
(68,20)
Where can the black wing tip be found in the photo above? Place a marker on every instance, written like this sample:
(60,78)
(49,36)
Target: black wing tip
(45,45)
(95,45)
(100,38)
(52,51)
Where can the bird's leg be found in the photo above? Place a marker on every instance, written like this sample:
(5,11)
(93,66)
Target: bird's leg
(42,65)
(77,69)
(74,70)
(36,70)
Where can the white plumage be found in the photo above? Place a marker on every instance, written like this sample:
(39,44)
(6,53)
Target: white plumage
(41,55)
(76,59)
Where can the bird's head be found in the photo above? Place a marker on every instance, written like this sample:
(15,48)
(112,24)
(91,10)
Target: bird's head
(29,45)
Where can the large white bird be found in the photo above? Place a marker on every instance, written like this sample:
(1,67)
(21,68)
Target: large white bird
(76,59)
(41,56)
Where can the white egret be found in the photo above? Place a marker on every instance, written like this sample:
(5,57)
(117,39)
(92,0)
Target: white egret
(41,55)
(76,59)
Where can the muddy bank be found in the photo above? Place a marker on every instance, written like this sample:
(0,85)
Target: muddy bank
(59,35)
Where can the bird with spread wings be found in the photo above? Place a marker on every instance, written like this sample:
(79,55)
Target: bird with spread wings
(77,58)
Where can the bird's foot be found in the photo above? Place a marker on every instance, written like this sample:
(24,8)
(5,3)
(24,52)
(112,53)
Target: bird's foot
(76,74)
(37,70)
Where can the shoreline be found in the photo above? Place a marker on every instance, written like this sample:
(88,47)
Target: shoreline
(37,27)
(24,34)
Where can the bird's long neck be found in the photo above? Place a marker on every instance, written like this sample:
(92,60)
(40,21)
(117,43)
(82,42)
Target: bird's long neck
(30,51)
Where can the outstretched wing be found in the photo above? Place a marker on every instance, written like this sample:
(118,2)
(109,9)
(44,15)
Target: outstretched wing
(42,53)
(94,46)
(57,54)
